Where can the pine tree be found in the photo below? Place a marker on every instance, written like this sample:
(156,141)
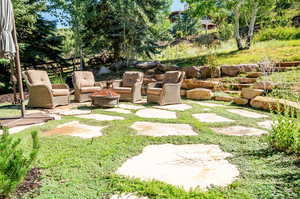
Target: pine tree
(123,26)
(14,165)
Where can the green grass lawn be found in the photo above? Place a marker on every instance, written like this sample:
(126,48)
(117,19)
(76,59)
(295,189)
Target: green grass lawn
(76,168)
(193,55)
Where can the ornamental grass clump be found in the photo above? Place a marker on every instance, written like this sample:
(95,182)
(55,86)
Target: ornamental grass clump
(14,164)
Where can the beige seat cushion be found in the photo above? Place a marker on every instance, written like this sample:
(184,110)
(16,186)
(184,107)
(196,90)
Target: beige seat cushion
(122,90)
(154,91)
(172,77)
(91,89)
(84,79)
(60,92)
(38,77)
(130,78)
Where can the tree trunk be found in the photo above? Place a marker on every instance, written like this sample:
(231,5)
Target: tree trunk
(251,26)
(237,15)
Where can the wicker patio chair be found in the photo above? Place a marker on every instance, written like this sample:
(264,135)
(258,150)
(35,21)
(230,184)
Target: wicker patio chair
(167,92)
(85,85)
(43,94)
(130,87)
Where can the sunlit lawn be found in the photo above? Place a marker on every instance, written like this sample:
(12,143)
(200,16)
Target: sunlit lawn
(191,54)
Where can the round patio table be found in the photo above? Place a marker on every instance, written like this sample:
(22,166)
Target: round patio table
(105,98)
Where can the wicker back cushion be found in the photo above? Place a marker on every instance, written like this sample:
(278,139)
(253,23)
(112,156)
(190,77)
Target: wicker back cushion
(172,77)
(84,79)
(38,77)
(130,78)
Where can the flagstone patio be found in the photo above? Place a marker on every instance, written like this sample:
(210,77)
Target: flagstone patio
(240,131)
(130,106)
(211,118)
(210,104)
(118,110)
(162,129)
(245,113)
(76,129)
(186,166)
(175,107)
(156,113)
(20,128)
(101,117)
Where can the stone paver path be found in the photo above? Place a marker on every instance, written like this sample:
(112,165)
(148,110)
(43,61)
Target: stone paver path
(156,113)
(240,131)
(175,107)
(265,124)
(187,166)
(162,129)
(71,112)
(127,196)
(129,106)
(210,104)
(18,129)
(211,118)
(101,117)
(246,113)
(118,110)
(76,129)
(206,109)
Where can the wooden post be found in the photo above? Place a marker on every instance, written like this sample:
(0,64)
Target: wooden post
(18,67)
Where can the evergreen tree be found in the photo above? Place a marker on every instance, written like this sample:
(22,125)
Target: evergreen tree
(185,24)
(123,27)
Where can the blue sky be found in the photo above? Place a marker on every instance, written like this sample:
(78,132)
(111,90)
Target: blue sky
(177,5)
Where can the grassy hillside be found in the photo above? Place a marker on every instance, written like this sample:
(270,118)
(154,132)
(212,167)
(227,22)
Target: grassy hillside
(190,54)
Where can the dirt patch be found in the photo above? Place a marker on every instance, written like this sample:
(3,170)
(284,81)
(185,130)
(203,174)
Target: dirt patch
(10,97)
(31,182)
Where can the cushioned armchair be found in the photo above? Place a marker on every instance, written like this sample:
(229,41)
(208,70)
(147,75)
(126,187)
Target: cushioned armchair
(43,94)
(85,85)
(130,87)
(167,92)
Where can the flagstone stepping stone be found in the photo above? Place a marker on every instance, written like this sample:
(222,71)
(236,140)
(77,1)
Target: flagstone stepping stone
(210,104)
(211,118)
(240,131)
(248,114)
(127,196)
(265,124)
(101,117)
(175,107)
(162,129)
(156,113)
(187,166)
(206,109)
(132,107)
(77,130)
(18,129)
(71,112)
(118,110)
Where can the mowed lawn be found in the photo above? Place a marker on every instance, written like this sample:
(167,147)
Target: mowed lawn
(85,168)
(193,55)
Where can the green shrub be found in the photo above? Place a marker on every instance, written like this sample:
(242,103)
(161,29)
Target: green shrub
(58,79)
(285,133)
(14,165)
(280,33)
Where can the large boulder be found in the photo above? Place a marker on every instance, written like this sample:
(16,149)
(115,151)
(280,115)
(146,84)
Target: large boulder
(268,103)
(215,72)
(245,68)
(147,65)
(199,93)
(246,80)
(165,67)
(231,71)
(240,101)
(265,85)
(191,72)
(250,93)
(254,74)
(205,72)
(193,83)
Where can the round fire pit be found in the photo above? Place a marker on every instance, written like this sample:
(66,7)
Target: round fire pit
(105,98)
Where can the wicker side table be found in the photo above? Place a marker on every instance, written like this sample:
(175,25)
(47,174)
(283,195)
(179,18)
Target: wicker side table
(105,98)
